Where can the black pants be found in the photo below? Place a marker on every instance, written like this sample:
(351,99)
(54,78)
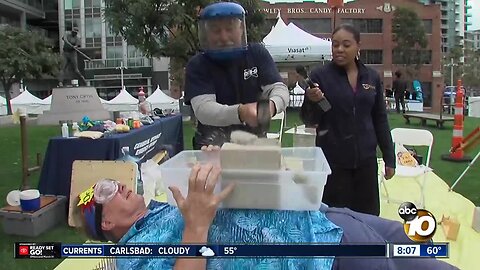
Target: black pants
(400,99)
(356,189)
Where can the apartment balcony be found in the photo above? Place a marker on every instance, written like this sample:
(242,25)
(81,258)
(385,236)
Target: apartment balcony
(117,62)
(32,8)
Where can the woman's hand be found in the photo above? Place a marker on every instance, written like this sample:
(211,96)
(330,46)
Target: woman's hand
(389,172)
(314,94)
(199,207)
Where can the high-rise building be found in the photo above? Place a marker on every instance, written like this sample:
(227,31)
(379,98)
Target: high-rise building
(455,21)
(110,53)
(39,16)
(473,39)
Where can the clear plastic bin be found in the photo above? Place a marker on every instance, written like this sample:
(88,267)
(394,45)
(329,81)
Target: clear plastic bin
(297,186)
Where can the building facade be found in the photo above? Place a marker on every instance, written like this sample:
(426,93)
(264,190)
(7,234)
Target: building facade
(41,17)
(456,16)
(111,55)
(374,20)
(473,39)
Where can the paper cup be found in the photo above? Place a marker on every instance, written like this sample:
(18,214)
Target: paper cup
(30,200)
(13,198)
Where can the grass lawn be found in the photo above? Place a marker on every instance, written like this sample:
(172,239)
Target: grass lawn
(10,176)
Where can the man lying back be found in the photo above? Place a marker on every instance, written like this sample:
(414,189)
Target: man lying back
(119,215)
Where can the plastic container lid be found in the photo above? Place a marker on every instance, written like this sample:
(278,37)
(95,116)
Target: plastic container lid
(13,198)
(29,194)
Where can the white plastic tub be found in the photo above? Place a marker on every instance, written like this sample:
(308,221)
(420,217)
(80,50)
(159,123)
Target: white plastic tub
(297,186)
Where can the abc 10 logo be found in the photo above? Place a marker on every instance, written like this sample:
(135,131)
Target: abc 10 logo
(419,224)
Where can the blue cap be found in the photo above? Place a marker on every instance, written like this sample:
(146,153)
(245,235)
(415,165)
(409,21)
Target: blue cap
(222,9)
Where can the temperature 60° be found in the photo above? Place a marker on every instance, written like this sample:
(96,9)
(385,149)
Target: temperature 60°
(229,250)
(433,250)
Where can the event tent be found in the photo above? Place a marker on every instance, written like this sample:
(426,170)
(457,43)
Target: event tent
(122,102)
(29,102)
(289,43)
(296,97)
(159,99)
(3,106)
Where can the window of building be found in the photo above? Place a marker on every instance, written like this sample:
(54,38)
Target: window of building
(114,56)
(366,25)
(109,30)
(323,25)
(93,27)
(114,52)
(428,26)
(75,3)
(424,55)
(372,57)
(68,4)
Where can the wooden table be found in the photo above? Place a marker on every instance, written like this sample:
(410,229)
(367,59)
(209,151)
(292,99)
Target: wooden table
(439,119)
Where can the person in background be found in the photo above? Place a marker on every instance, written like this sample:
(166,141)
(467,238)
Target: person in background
(400,91)
(351,130)
(226,79)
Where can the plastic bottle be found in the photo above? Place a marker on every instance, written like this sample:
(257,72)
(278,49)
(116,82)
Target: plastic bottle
(128,158)
(75,129)
(64,130)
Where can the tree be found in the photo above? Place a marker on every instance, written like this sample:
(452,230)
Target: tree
(24,55)
(410,38)
(454,56)
(471,76)
(165,28)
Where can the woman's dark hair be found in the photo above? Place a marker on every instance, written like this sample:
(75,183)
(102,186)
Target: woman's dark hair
(349,28)
(398,73)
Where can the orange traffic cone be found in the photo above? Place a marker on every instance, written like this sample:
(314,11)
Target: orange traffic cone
(457,153)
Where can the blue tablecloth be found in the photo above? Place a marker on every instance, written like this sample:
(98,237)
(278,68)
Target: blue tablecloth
(143,143)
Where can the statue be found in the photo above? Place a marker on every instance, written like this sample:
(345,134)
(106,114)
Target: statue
(70,49)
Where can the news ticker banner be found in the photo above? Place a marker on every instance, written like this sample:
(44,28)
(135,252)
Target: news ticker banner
(59,250)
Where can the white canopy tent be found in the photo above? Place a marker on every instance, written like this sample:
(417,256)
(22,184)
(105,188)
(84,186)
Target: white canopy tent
(289,43)
(30,103)
(122,102)
(159,99)
(3,106)
(296,100)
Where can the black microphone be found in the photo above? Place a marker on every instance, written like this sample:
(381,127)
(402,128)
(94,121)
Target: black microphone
(323,103)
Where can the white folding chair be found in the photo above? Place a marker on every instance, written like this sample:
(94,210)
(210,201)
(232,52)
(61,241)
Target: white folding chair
(413,137)
(277,135)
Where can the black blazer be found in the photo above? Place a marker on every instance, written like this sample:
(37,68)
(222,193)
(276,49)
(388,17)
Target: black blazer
(350,132)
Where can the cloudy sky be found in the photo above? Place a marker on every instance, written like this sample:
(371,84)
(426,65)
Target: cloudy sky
(475,19)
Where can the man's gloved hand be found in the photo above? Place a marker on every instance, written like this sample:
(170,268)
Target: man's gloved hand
(248,113)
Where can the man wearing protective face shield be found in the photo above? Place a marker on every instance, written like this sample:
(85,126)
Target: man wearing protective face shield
(227,78)
(70,59)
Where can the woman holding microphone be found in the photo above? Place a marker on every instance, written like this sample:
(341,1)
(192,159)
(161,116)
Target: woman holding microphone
(351,129)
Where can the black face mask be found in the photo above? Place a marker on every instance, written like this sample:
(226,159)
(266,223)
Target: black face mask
(74,34)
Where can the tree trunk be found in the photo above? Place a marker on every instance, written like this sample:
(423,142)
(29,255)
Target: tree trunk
(8,96)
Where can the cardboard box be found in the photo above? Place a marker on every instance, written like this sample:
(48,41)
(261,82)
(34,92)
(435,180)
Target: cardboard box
(476,219)
(52,211)
(450,227)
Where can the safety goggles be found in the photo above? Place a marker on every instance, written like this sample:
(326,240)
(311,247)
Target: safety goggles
(92,201)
